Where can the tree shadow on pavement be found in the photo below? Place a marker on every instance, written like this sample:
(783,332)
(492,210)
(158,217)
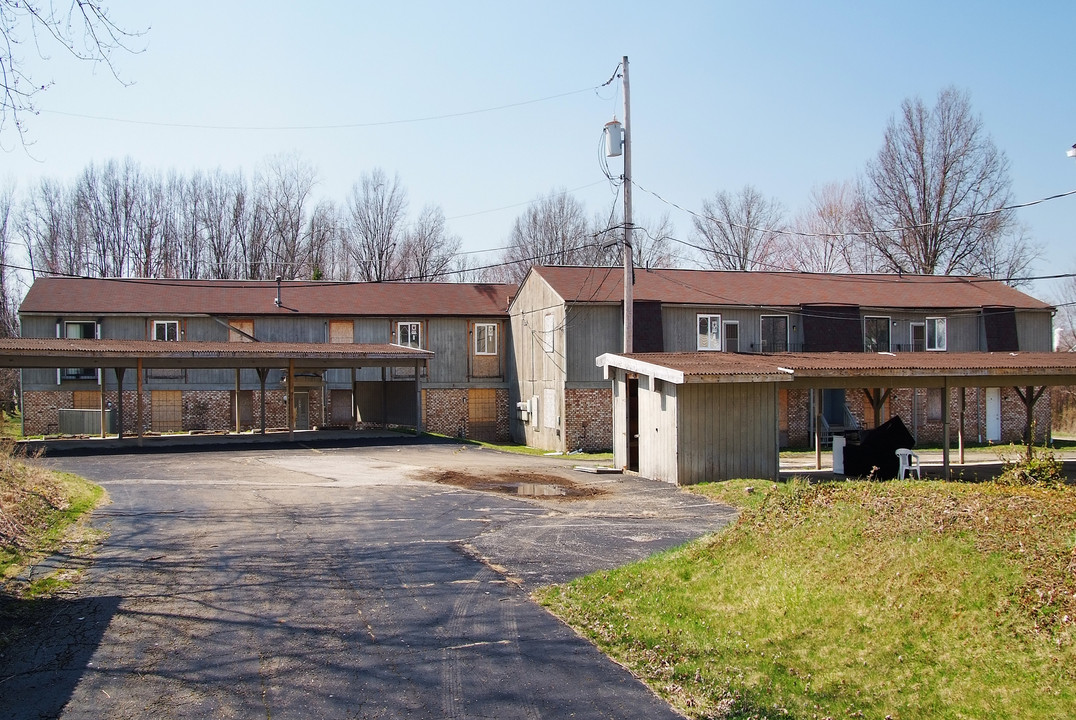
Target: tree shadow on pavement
(45,646)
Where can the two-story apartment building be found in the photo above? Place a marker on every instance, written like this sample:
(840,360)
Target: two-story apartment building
(562,318)
(464,389)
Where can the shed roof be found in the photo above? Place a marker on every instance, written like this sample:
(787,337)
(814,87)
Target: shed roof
(257,298)
(919,369)
(785,289)
(62,352)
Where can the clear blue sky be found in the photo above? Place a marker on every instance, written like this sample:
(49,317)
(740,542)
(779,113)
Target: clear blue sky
(786,96)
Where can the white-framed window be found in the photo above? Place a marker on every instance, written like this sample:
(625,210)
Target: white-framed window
(409,334)
(79,330)
(773,332)
(167,330)
(709,335)
(876,334)
(936,335)
(485,339)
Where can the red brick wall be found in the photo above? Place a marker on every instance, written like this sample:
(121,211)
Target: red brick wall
(446,411)
(588,419)
(927,432)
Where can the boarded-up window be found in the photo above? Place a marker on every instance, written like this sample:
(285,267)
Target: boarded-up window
(341,331)
(246,408)
(86,400)
(241,330)
(934,404)
(167,410)
(482,414)
(341,410)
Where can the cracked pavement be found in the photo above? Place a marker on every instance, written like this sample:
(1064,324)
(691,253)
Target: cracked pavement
(339,583)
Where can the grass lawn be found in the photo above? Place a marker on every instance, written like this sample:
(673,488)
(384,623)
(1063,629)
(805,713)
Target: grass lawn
(896,599)
(39,509)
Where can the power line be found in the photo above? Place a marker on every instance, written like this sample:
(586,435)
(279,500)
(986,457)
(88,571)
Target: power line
(856,233)
(337,126)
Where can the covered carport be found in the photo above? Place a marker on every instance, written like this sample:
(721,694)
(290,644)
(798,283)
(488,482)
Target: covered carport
(714,416)
(139,355)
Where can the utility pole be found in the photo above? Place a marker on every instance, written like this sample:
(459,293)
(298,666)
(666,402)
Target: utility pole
(629,272)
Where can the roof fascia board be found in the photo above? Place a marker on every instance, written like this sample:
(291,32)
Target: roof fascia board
(638,367)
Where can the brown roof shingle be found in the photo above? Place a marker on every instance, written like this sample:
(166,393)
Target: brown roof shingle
(785,289)
(255,298)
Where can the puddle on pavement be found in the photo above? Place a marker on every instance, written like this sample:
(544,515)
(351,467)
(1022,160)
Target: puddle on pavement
(521,484)
(536,490)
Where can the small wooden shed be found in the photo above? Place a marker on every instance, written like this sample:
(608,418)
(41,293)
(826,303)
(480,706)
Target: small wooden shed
(687,418)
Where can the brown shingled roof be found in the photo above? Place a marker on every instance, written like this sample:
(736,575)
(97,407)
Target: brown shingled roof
(785,289)
(699,366)
(255,298)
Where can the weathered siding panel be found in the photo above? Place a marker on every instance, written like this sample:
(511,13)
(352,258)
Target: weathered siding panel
(963,332)
(1035,330)
(657,430)
(372,330)
(295,330)
(727,431)
(447,338)
(539,362)
(592,331)
(681,326)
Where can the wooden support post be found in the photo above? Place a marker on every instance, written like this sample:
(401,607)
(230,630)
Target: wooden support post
(263,373)
(818,429)
(945,429)
(119,400)
(238,425)
(418,397)
(960,430)
(138,401)
(291,398)
(1029,398)
(101,374)
(384,399)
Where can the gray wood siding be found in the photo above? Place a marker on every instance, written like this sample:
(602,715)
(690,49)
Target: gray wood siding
(726,431)
(448,338)
(372,330)
(592,331)
(537,369)
(293,330)
(680,325)
(1035,330)
(658,430)
(963,332)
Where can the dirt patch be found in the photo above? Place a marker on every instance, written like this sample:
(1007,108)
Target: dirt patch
(522,484)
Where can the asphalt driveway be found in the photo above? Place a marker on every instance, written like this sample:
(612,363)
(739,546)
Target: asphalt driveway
(340,583)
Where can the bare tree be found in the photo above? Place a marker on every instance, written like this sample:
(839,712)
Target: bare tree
(741,231)
(288,182)
(932,195)
(651,240)
(827,238)
(325,255)
(428,249)
(84,31)
(552,231)
(376,212)
(50,230)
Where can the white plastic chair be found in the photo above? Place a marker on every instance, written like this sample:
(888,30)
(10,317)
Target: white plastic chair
(909,462)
